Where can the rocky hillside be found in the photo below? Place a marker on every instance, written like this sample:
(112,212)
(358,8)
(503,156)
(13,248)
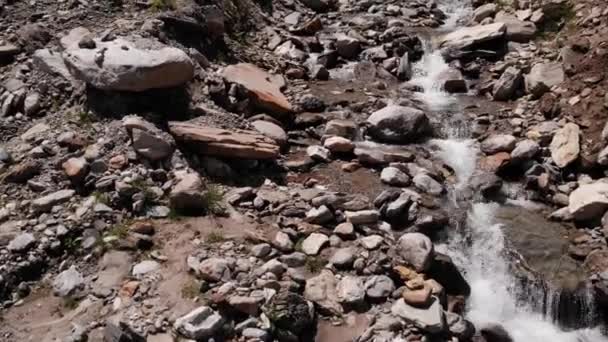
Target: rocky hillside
(238,170)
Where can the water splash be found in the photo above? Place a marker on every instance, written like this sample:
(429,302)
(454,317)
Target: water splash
(427,74)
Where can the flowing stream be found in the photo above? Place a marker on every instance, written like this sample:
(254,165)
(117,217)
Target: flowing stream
(480,249)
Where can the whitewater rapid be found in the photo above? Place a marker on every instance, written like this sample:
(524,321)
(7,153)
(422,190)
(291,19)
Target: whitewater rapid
(480,252)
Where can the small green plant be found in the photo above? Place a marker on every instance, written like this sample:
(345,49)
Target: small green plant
(144,188)
(315,264)
(298,246)
(213,200)
(101,197)
(120,230)
(215,236)
(191,290)
(71,244)
(162,5)
(70,303)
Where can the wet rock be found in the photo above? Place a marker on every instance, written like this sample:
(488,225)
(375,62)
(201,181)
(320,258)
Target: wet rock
(507,86)
(397,124)
(444,271)
(187,194)
(589,201)
(47,202)
(264,88)
(459,327)
(495,333)
(224,143)
(313,244)
(379,287)
(416,249)
(498,143)
(319,215)
(321,290)
(467,37)
(21,243)
(120,65)
(565,146)
(543,77)
(430,319)
(404,70)
(452,81)
(200,323)
(350,290)
(68,282)
(393,176)
(488,184)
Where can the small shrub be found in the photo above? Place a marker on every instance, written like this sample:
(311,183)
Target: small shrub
(215,236)
(315,264)
(213,200)
(191,290)
(162,5)
(120,230)
(70,303)
(101,197)
(71,244)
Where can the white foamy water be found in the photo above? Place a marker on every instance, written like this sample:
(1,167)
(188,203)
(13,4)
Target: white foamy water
(479,249)
(427,72)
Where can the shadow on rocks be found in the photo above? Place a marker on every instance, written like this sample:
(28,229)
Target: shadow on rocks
(170,103)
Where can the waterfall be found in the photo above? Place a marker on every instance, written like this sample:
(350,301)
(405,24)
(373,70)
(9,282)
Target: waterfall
(528,313)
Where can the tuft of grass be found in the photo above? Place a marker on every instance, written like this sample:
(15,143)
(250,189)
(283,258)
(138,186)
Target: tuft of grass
(298,245)
(71,244)
(315,264)
(70,303)
(162,5)
(213,200)
(101,197)
(191,290)
(215,237)
(120,230)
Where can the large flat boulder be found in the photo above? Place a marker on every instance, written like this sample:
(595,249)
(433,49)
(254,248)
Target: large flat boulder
(121,66)
(224,143)
(589,201)
(398,124)
(264,88)
(467,37)
(430,319)
(517,30)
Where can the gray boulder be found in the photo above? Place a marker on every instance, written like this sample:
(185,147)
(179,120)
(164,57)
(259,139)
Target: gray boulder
(430,319)
(508,84)
(68,282)
(201,323)
(589,201)
(397,124)
(565,146)
(543,76)
(416,249)
(120,65)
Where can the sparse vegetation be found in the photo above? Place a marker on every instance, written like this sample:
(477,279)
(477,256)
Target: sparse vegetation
(101,197)
(213,200)
(120,230)
(70,303)
(71,244)
(191,290)
(315,264)
(215,236)
(298,246)
(162,5)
